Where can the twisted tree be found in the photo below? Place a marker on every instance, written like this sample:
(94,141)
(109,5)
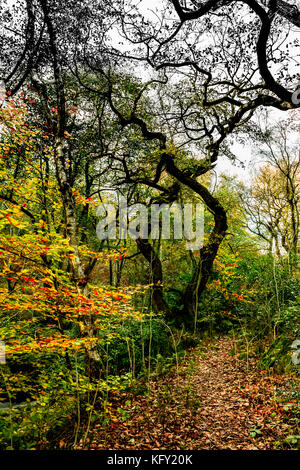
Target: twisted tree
(211,66)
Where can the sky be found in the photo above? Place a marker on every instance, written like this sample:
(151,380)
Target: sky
(245,152)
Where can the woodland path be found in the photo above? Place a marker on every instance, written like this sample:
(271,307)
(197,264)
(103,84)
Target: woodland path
(212,402)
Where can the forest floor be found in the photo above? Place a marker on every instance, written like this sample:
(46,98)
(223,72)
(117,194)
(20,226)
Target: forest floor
(212,401)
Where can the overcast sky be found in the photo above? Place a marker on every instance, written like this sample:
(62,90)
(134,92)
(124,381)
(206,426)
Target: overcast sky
(246,153)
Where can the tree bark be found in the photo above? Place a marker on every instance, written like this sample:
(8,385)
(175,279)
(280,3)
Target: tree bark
(77,269)
(158,302)
(209,251)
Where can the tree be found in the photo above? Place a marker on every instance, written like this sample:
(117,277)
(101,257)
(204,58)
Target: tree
(213,106)
(273,199)
(35,250)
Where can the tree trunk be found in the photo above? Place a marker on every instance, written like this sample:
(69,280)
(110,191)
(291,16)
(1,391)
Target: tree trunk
(77,269)
(157,299)
(209,251)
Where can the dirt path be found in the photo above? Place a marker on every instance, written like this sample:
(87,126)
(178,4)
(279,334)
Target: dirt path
(213,402)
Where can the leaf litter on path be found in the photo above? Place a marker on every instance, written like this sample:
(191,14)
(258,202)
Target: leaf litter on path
(213,402)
